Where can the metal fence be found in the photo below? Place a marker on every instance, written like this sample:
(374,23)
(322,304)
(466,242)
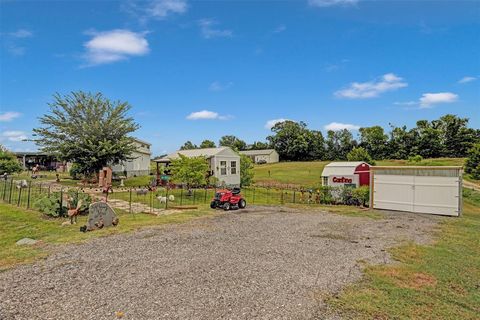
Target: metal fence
(25,194)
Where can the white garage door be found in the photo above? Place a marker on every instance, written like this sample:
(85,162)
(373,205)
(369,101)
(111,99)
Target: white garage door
(422,190)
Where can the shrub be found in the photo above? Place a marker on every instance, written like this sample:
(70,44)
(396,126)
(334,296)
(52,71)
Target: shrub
(361,195)
(75,172)
(8,162)
(50,204)
(415,159)
(472,164)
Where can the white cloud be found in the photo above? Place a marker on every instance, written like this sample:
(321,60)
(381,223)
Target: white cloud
(206,115)
(14,135)
(154,9)
(115,45)
(467,79)
(280,28)
(331,3)
(406,103)
(9,116)
(218,86)
(21,33)
(336,126)
(429,99)
(372,89)
(271,123)
(208,30)
(160,9)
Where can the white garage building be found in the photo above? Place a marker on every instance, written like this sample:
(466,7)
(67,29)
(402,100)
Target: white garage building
(434,190)
(262,156)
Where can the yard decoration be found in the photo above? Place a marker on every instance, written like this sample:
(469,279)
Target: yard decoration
(100,215)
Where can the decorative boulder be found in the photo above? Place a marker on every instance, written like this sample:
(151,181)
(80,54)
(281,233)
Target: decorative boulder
(100,215)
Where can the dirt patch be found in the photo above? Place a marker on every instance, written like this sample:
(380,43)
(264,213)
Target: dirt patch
(407,279)
(260,263)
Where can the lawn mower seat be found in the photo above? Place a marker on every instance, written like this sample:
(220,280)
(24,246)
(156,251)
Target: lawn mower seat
(235,190)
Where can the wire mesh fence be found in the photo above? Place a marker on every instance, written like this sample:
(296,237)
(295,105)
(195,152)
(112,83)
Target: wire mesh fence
(23,193)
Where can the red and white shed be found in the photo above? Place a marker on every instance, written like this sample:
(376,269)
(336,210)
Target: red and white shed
(350,173)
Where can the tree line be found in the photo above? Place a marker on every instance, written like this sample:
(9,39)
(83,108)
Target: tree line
(448,136)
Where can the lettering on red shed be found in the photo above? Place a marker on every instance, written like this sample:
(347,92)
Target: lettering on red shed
(342,180)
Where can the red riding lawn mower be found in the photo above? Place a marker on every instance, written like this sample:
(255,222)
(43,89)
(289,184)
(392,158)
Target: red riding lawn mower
(228,199)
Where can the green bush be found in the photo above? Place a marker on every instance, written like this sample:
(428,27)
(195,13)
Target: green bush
(8,162)
(472,164)
(50,204)
(415,159)
(361,195)
(75,172)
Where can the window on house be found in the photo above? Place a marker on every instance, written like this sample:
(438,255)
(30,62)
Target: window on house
(233,167)
(223,168)
(325,181)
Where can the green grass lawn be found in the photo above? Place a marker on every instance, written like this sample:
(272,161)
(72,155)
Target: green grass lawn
(440,281)
(17,223)
(308,173)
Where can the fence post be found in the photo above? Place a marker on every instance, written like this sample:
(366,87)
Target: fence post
(151,198)
(166,199)
(19,196)
(205,198)
(130,200)
(181,196)
(294,194)
(29,192)
(194,196)
(4,189)
(253,202)
(61,201)
(268,195)
(10,195)
(281,198)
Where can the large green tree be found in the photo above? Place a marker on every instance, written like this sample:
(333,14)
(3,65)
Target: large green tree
(191,171)
(232,142)
(339,144)
(360,154)
(207,144)
(374,141)
(294,141)
(87,129)
(456,137)
(189,145)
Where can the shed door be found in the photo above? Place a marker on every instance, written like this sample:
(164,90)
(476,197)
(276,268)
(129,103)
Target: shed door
(437,195)
(420,194)
(393,192)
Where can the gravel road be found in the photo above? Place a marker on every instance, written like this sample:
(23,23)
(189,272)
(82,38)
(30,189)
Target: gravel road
(258,263)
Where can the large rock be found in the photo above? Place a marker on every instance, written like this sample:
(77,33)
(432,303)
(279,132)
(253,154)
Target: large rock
(26,242)
(100,215)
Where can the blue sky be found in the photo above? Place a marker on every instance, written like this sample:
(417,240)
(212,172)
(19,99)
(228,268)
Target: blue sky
(195,70)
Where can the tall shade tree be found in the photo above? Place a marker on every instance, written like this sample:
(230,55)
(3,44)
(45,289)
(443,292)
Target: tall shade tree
(232,142)
(189,145)
(374,141)
(339,144)
(87,129)
(207,144)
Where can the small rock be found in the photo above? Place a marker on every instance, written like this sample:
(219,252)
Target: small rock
(26,241)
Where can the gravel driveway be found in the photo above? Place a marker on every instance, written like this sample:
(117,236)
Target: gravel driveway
(259,263)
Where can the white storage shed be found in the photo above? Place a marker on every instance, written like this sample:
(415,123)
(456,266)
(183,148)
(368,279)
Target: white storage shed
(434,190)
